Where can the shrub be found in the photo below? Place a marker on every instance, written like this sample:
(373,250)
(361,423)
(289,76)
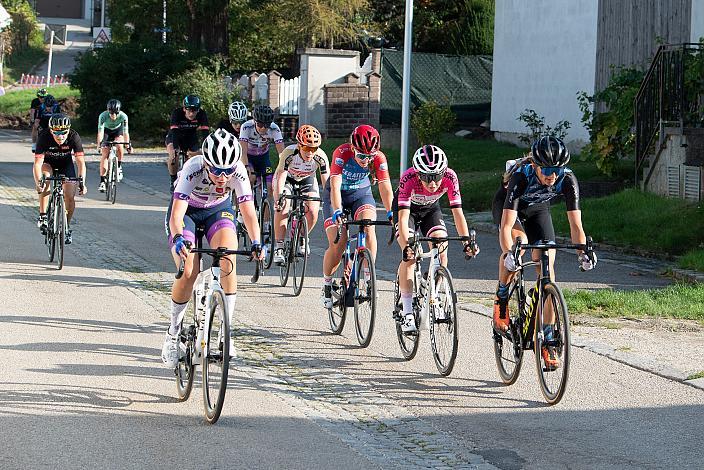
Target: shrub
(536,124)
(430,120)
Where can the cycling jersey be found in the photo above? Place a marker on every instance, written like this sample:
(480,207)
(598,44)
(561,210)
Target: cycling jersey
(524,189)
(106,122)
(44,113)
(258,144)
(48,148)
(427,218)
(194,185)
(227,125)
(412,191)
(299,169)
(353,175)
(183,125)
(36,103)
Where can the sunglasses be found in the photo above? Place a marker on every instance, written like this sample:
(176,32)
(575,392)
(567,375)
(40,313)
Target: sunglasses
(193,110)
(261,124)
(308,148)
(364,156)
(221,171)
(432,178)
(64,132)
(551,170)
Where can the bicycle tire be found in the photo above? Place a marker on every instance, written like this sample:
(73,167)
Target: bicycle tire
(185,369)
(267,231)
(300,260)
(49,235)
(108,175)
(444,326)
(285,268)
(553,381)
(365,298)
(338,313)
(60,232)
(112,190)
(508,346)
(215,359)
(407,343)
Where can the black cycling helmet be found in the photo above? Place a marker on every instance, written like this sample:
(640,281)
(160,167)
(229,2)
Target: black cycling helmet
(264,114)
(59,122)
(49,101)
(114,106)
(41,93)
(191,102)
(549,151)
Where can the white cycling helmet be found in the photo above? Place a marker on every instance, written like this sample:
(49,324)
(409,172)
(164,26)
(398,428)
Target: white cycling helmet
(221,149)
(237,111)
(430,160)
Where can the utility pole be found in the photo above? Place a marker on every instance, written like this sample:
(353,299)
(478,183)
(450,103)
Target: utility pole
(406,101)
(163,24)
(102,14)
(51,53)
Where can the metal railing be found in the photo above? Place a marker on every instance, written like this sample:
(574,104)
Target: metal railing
(666,97)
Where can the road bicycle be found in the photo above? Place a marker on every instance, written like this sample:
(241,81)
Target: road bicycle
(112,171)
(55,234)
(527,312)
(205,336)
(354,282)
(296,241)
(434,303)
(265,215)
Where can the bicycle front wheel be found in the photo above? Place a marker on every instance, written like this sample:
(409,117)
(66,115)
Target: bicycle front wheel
(185,368)
(112,187)
(365,297)
(60,231)
(266,224)
(215,357)
(338,313)
(407,342)
(49,238)
(553,378)
(444,332)
(300,255)
(508,346)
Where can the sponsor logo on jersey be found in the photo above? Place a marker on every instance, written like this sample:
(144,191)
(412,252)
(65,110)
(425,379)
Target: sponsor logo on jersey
(194,174)
(227,215)
(339,161)
(383,166)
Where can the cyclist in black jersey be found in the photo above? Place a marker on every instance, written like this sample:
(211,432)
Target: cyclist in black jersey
(521,208)
(34,114)
(189,126)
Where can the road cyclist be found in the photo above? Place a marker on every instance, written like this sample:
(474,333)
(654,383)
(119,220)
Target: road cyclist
(236,116)
(113,126)
(34,114)
(47,109)
(255,137)
(188,126)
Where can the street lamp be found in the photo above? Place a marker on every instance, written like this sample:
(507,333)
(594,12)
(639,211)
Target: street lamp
(406,100)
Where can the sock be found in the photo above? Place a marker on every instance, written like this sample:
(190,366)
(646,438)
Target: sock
(103,179)
(548,332)
(119,164)
(42,214)
(279,244)
(502,291)
(177,312)
(230,300)
(407,300)
(327,280)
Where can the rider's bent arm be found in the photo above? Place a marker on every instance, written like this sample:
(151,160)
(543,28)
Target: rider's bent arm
(460,222)
(81,164)
(576,230)
(245,157)
(387,194)
(279,178)
(403,233)
(249,215)
(178,211)
(324,176)
(37,168)
(508,219)
(335,195)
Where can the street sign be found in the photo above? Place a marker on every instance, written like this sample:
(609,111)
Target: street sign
(59,33)
(162,30)
(102,35)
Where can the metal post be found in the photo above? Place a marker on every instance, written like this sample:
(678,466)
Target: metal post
(102,14)
(163,23)
(51,53)
(406,102)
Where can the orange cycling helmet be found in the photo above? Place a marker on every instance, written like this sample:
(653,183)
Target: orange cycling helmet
(309,136)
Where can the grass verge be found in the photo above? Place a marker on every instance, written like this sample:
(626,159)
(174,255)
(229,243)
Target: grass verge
(693,259)
(23,62)
(696,375)
(680,301)
(17,102)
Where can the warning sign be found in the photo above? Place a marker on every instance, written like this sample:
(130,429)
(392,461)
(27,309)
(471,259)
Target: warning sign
(102,35)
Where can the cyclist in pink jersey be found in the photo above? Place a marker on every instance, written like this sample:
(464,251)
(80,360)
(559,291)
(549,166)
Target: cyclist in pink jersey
(416,206)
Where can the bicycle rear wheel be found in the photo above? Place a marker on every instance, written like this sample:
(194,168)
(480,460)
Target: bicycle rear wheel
(553,380)
(266,224)
(508,346)
(338,313)
(112,186)
(216,357)
(365,297)
(185,369)
(407,342)
(300,260)
(60,232)
(444,331)
(285,268)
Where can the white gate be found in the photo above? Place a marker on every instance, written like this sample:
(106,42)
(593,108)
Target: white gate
(289,91)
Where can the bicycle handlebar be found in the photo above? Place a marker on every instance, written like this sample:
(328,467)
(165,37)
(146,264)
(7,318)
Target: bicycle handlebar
(471,238)
(113,142)
(587,247)
(214,252)
(360,223)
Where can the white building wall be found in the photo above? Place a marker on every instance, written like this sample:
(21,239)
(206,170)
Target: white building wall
(318,68)
(544,53)
(697,29)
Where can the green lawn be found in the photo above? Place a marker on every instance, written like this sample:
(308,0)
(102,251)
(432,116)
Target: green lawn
(682,301)
(17,102)
(693,259)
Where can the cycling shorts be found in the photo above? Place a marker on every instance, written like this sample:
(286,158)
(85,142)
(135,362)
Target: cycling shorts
(186,141)
(307,186)
(112,134)
(535,219)
(427,218)
(261,165)
(62,166)
(354,201)
(211,220)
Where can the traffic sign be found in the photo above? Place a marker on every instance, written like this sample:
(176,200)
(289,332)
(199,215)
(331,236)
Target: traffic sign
(102,35)
(162,30)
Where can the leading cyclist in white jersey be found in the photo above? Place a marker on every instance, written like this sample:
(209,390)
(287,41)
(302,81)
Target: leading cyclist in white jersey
(203,199)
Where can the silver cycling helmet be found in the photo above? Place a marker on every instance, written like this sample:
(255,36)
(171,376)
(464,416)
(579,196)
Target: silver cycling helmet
(221,149)
(237,112)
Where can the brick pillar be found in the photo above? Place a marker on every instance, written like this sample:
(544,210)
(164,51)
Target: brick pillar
(352,78)
(374,82)
(252,82)
(273,79)
(376,60)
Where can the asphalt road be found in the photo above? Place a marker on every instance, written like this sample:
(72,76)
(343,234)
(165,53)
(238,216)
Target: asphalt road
(83,384)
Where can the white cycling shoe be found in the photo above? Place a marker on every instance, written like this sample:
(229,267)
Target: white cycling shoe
(119,174)
(101,187)
(408,325)
(326,297)
(169,351)
(279,256)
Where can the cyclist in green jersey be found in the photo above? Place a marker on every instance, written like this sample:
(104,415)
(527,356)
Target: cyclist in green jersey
(112,126)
